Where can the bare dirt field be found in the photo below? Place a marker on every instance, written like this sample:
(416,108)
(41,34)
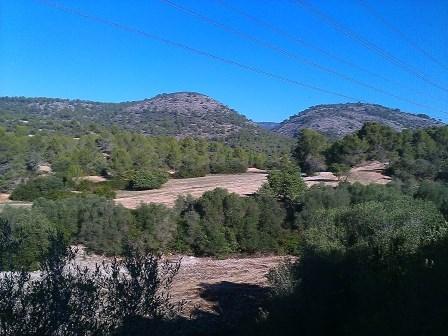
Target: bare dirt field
(242,184)
(366,173)
(4,198)
(206,284)
(5,201)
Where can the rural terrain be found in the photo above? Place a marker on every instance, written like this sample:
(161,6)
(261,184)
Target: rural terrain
(347,192)
(195,114)
(244,184)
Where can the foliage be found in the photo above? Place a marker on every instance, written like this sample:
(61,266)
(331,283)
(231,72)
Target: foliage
(373,266)
(287,183)
(127,297)
(146,180)
(46,186)
(24,238)
(310,150)
(412,154)
(220,223)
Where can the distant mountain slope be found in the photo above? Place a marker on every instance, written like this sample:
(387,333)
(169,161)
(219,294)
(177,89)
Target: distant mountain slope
(337,120)
(268,125)
(177,114)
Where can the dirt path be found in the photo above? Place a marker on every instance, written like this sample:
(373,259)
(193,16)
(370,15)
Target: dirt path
(242,184)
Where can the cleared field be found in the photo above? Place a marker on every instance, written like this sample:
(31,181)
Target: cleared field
(242,184)
(206,284)
(366,173)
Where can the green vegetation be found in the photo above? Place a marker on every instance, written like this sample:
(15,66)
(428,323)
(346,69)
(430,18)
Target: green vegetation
(371,259)
(117,155)
(367,268)
(127,297)
(45,186)
(413,155)
(147,180)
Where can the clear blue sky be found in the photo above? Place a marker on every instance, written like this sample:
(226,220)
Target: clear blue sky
(47,52)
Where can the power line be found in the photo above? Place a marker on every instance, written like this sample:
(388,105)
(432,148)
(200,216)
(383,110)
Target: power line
(178,45)
(298,40)
(366,43)
(306,44)
(400,33)
(193,50)
(287,53)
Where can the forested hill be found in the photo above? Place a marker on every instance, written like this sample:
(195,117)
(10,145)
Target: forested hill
(337,120)
(177,114)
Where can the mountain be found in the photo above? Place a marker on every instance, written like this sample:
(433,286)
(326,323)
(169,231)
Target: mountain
(178,114)
(337,120)
(268,125)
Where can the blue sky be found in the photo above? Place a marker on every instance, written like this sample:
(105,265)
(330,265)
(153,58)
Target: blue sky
(51,53)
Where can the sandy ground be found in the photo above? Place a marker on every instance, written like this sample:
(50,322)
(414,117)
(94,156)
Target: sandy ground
(92,178)
(242,184)
(366,173)
(4,198)
(204,283)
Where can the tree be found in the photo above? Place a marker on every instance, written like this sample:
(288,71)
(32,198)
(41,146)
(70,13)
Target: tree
(287,183)
(340,170)
(309,151)
(25,238)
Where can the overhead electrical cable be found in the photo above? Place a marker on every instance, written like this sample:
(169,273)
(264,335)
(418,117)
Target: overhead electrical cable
(366,43)
(193,50)
(297,40)
(287,53)
(154,37)
(373,12)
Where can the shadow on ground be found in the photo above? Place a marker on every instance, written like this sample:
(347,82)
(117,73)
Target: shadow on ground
(235,305)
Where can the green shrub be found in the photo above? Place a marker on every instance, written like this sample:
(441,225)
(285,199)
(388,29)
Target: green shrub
(103,189)
(24,238)
(147,180)
(48,187)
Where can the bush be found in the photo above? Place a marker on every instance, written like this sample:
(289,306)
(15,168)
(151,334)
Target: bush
(103,189)
(129,297)
(48,187)
(147,180)
(24,238)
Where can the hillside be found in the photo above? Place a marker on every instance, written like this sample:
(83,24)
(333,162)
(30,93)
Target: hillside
(269,125)
(178,114)
(337,120)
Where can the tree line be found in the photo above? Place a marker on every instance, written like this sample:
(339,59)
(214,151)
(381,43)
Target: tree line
(120,156)
(413,155)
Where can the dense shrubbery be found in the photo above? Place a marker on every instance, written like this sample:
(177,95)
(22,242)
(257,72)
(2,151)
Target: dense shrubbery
(46,186)
(413,154)
(103,189)
(127,297)
(146,180)
(114,153)
(371,258)
(367,265)
(217,224)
